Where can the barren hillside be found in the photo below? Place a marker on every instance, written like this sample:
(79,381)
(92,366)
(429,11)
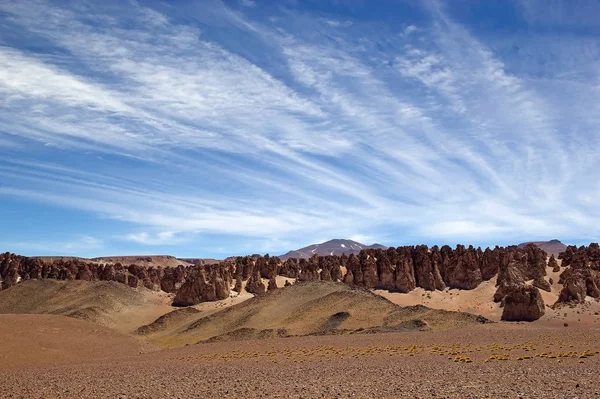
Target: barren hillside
(308,309)
(103,302)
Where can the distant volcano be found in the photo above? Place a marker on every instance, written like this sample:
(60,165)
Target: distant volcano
(552,247)
(331,247)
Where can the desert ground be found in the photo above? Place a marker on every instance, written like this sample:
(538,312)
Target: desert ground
(486,361)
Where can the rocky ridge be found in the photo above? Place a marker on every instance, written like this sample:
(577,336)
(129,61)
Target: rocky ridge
(399,269)
(581,276)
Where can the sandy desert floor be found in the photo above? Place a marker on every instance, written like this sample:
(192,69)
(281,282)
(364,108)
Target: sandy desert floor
(494,361)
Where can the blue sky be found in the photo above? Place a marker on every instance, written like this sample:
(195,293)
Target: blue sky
(207,128)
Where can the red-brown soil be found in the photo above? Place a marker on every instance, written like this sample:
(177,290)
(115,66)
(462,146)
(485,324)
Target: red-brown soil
(542,363)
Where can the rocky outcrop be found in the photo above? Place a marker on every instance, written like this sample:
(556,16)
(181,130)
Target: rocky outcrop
(490,262)
(368,266)
(511,280)
(535,265)
(523,304)
(516,265)
(581,276)
(553,264)
(197,289)
(404,270)
(309,269)
(272,284)
(290,268)
(238,284)
(542,284)
(14,268)
(254,285)
(462,268)
(427,274)
(172,278)
(399,269)
(574,289)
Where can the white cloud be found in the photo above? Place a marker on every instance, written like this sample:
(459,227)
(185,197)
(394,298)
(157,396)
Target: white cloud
(409,29)
(328,134)
(337,24)
(76,246)
(161,238)
(248,3)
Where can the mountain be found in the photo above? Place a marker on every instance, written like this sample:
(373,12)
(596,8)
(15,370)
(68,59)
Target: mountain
(331,247)
(552,247)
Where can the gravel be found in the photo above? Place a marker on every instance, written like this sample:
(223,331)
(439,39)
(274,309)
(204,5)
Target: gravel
(441,364)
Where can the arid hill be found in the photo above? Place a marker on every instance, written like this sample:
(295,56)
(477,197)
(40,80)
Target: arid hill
(103,302)
(552,247)
(310,308)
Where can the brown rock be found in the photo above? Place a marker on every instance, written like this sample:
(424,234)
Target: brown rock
(309,270)
(254,285)
(427,274)
(290,268)
(349,278)
(542,284)
(404,279)
(195,290)
(535,265)
(553,264)
(592,287)
(512,279)
(462,271)
(490,262)
(368,265)
(385,270)
(574,289)
(354,272)
(523,304)
(238,284)
(222,288)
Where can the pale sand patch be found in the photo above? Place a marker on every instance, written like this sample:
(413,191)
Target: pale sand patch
(156,304)
(477,301)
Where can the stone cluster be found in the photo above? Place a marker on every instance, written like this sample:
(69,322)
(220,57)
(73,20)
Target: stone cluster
(581,276)
(400,269)
(15,268)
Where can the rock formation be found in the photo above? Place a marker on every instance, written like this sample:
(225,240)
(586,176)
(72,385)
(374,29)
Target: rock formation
(272,284)
(197,289)
(462,269)
(14,268)
(581,276)
(542,284)
(553,264)
(523,304)
(238,284)
(400,269)
(254,285)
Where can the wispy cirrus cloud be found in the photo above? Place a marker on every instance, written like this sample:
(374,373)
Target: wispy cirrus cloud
(72,246)
(172,130)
